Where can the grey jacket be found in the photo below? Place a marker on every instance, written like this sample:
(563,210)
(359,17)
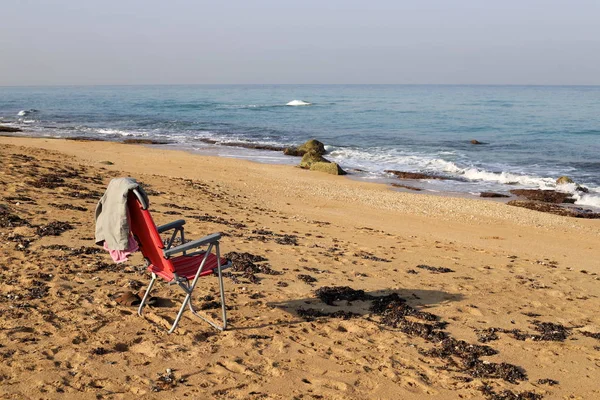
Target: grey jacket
(112,224)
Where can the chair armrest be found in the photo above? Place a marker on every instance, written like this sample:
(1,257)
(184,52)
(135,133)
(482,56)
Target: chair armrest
(215,237)
(171,225)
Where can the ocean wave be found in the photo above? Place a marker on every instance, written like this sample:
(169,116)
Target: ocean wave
(298,103)
(24,113)
(585,199)
(109,131)
(379,159)
(507,178)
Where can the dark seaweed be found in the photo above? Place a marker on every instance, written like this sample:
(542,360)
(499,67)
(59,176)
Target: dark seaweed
(441,270)
(490,394)
(330,294)
(368,256)
(55,228)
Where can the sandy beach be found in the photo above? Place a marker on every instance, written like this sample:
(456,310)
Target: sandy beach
(492,301)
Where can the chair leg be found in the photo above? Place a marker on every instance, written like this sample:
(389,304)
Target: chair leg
(187,299)
(143,303)
(188,288)
(222,295)
(221,287)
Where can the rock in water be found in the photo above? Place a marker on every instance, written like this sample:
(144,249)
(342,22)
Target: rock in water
(476,142)
(329,167)
(292,151)
(9,129)
(413,175)
(311,145)
(546,196)
(311,157)
(563,180)
(554,209)
(492,195)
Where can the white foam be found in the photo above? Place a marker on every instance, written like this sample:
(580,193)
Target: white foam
(23,113)
(298,103)
(585,199)
(120,132)
(506,178)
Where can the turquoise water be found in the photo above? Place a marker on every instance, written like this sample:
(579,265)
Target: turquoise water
(533,133)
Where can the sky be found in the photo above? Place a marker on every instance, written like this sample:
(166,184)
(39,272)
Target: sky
(129,42)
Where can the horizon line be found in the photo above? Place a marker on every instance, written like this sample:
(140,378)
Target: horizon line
(297,84)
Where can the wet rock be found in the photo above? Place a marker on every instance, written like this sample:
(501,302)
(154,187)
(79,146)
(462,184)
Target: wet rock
(474,141)
(492,195)
(254,146)
(555,209)
(399,185)
(312,145)
(206,140)
(9,129)
(546,196)
(293,151)
(85,139)
(327,167)
(563,180)
(414,175)
(310,158)
(144,141)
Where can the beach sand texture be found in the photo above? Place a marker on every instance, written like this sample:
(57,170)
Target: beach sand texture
(500,275)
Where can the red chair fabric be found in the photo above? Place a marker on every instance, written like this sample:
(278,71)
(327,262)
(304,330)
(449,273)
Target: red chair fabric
(151,246)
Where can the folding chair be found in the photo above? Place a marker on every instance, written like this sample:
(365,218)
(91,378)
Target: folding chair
(184,269)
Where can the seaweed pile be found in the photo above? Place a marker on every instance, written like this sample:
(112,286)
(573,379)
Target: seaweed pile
(264,235)
(457,355)
(249,265)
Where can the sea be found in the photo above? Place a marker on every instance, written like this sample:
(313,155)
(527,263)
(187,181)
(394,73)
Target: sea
(530,135)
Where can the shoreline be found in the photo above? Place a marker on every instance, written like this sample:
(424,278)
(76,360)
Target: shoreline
(250,153)
(473,264)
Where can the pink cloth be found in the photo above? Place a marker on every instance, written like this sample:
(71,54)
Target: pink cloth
(120,256)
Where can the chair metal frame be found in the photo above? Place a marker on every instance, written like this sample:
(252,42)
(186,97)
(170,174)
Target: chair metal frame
(213,243)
